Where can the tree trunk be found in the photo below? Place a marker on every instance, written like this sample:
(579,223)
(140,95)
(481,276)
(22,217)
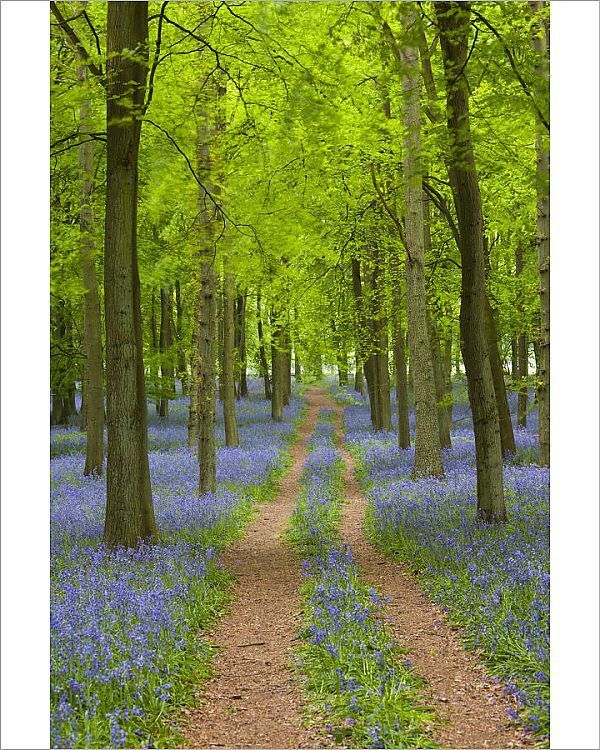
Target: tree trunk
(377,368)
(277,367)
(522,371)
(453,20)
(207,447)
(129,508)
(231,432)
(399,354)
(514,361)
(264,365)
(440,385)
(241,343)
(287,366)
(165,346)
(209,117)
(507,436)
(220,339)
(447,369)
(154,389)
(297,360)
(359,377)
(194,384)
(93,385)
(181,366)
(428,453)
(540,45)
(363,363)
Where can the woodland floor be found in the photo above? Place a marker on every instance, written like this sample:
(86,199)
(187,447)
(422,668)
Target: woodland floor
(255,700)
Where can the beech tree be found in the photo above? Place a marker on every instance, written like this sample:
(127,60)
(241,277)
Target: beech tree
(453,21)
(129,508)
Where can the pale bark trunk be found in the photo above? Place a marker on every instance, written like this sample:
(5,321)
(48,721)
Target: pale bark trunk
(92,406)
(277,367)
(181,366)
(453,21)
(192,439)
(129,508)
(231,432)
(428,452)
(447,368)
(264,365)
(540,45)
(522,371)
(165,346)
(209,118)
(240,315)
(207,447)
(440,385)
(507,436)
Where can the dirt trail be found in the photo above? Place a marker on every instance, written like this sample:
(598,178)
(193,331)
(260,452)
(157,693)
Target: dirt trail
(472,707)
(254,701)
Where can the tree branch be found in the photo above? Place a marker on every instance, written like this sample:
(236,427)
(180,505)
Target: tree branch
(75,41)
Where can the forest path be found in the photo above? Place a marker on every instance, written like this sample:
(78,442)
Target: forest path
(471,705)
(255,701)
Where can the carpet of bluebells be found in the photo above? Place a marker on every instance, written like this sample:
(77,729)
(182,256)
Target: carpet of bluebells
(126,651)
(493,581)
(356,678)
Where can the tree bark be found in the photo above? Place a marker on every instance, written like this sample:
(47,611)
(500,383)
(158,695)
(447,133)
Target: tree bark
(231,432)
(399,355)
(507,436)
(220,339)
(129,509)
(540,45)
(264,365)
(428,453)
(277,367)
(447,369)
(207,447)
(165,346)
(181,365)
(522,371)
(93,385)
(286,365)
(241,343)
(440,385)
(453,20)
(210,126)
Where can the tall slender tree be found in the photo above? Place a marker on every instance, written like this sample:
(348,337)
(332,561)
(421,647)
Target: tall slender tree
(428,453)
(129,508)
(453,22)
(231,431)
(540,41)
(93,385)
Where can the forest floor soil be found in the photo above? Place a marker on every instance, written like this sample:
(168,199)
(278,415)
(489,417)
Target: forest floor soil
(471,705)
(255,699)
